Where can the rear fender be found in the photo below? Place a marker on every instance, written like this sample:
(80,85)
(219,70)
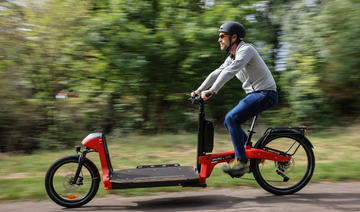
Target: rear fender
(298,132)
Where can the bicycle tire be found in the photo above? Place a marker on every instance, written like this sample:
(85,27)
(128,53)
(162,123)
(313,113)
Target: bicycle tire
(70,201)
(276,187)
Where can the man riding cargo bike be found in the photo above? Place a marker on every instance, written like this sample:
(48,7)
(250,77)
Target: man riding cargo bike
(245,63)
(73,180)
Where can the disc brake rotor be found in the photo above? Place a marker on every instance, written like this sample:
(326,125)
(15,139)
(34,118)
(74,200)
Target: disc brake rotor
(285,167)
(67,183)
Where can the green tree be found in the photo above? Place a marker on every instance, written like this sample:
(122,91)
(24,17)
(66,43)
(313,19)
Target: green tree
(42,53)
(159,50)
(322,76)
(301,81)
(16,128)
(338,39)
(131,63)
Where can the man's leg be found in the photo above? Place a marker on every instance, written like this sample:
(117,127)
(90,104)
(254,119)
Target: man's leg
(233,120)
(248,107)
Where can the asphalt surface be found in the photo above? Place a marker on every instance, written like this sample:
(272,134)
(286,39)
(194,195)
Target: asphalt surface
(329,197)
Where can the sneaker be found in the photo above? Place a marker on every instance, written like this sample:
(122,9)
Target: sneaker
(236,168)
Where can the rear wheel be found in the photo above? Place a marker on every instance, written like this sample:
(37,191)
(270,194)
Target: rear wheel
(282,178)
(59,177)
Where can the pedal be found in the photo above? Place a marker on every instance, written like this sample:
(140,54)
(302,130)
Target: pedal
(236,175)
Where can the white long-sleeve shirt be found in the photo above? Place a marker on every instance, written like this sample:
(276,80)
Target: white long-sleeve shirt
(247,66)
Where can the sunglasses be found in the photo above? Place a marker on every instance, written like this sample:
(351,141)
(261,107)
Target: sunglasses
(222,36)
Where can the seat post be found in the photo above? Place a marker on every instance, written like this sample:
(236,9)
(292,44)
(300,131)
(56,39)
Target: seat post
(251,132)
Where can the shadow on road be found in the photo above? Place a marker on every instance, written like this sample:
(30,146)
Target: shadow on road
(334,201)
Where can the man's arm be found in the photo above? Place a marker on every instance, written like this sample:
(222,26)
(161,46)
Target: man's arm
(213,76)
(243,56)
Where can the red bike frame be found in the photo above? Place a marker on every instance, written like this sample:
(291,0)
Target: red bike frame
(96,143)
(207,162)
(174,174)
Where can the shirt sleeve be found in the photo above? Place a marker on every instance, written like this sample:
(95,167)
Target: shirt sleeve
(243,56)
(213,76)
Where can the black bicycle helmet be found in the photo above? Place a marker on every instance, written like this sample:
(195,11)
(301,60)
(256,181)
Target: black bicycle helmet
(232,28)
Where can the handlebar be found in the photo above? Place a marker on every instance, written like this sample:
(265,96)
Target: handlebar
(196,99)
(208,94)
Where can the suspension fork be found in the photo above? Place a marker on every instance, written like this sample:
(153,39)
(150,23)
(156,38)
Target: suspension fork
(78,170)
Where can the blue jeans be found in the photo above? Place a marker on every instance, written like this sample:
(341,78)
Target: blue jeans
(253,104)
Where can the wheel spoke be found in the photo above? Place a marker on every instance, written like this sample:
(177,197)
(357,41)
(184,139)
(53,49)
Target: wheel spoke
(62,182)
(285,177)
(59,182)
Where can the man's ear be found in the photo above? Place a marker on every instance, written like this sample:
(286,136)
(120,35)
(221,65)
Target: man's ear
(233,38)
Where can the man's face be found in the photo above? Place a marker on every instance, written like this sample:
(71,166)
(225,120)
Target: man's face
(223,40)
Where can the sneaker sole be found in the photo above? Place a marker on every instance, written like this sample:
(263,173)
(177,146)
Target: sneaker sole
(237,173)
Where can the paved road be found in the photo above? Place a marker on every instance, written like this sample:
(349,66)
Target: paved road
(329,197)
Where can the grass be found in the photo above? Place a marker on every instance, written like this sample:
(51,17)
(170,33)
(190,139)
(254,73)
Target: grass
(22,176)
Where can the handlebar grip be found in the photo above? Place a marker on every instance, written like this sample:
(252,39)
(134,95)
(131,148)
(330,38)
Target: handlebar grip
(208,94)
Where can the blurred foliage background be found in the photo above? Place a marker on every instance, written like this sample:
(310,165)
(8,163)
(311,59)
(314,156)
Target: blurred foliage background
(127,66)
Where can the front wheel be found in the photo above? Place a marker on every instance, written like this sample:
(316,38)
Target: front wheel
(282,178)
(59,186)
